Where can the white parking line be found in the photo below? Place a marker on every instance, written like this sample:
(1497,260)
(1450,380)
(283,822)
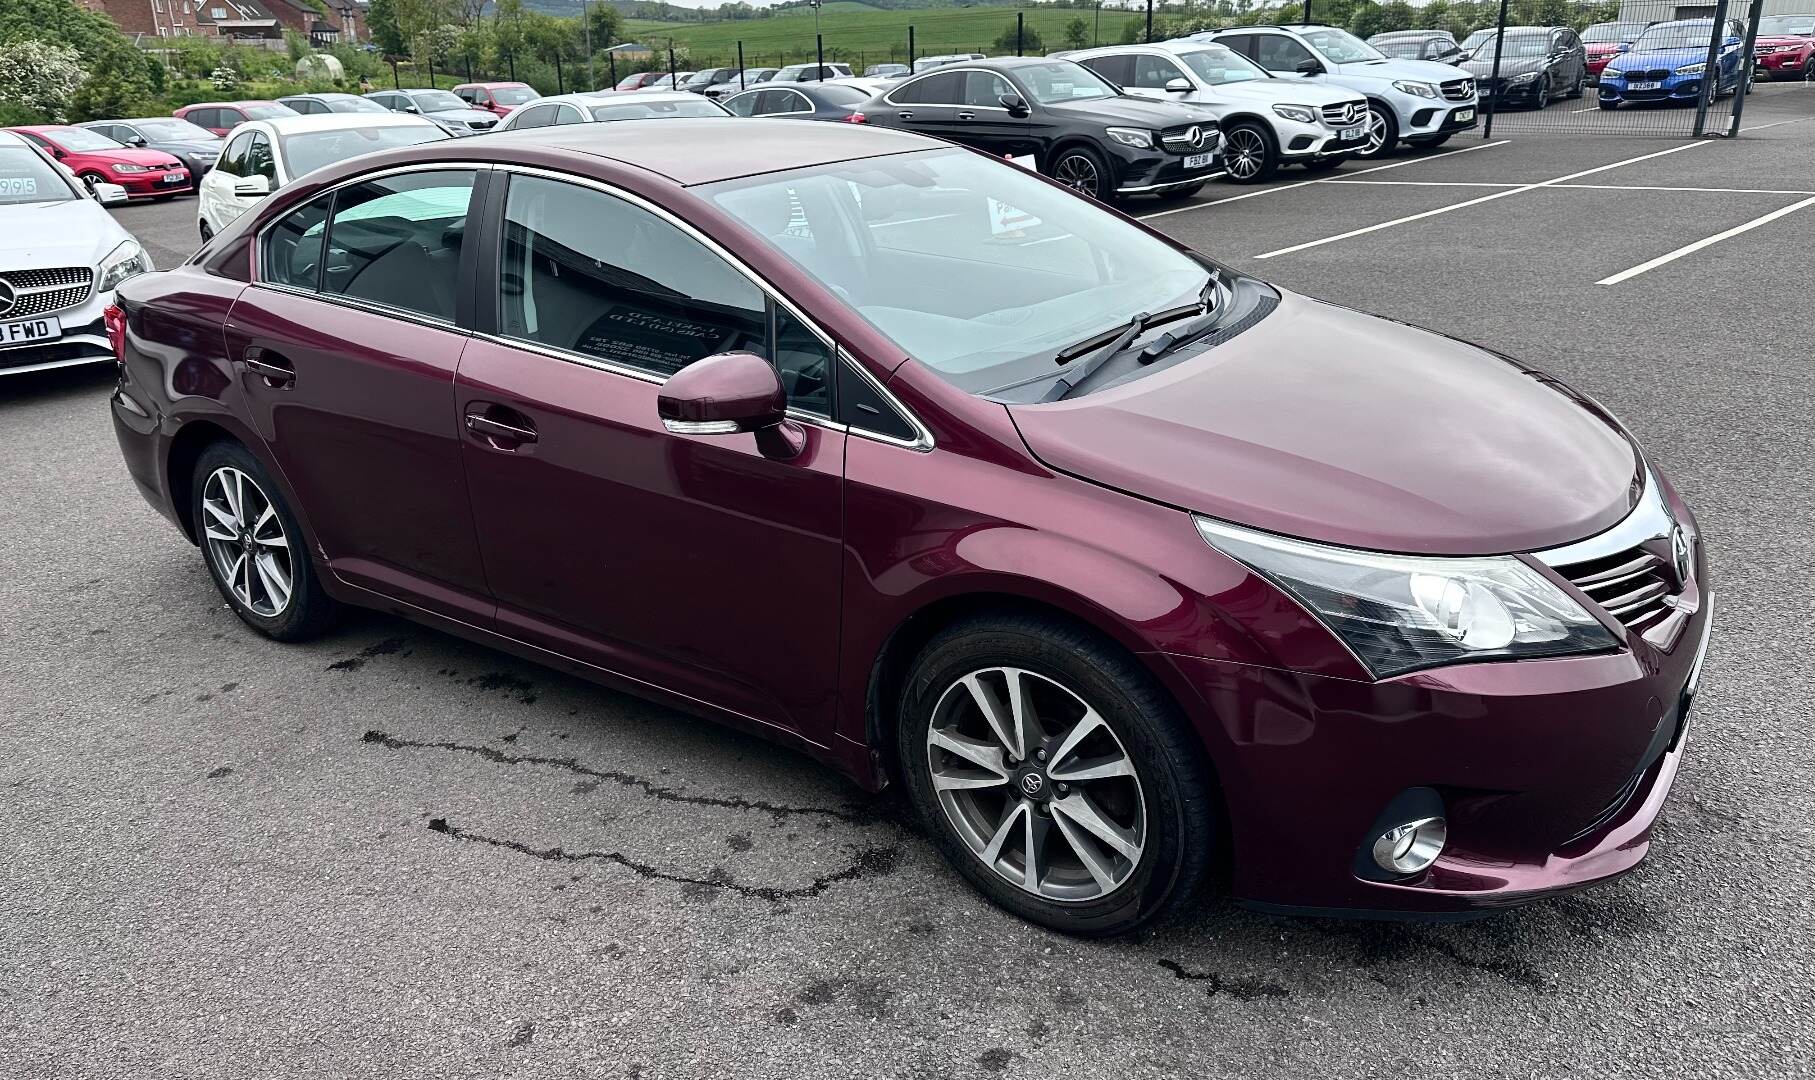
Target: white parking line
(1474,202)
(1776,123)
(1571,187)
(1415,183)
(1688,249)
(1308,183)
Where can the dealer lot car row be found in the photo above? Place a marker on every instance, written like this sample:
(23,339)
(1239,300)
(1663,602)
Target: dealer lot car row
(974,480)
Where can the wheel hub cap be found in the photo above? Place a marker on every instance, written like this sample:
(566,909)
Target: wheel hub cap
(246,543)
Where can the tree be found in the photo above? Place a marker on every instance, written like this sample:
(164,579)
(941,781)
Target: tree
(118,79)
(38,81)
(1077,34)
(1028,40)
(381,20)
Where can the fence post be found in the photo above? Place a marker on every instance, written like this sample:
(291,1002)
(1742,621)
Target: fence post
(432,71)
(560,80)
(1096,34)
(1711,69)
(611,60)
(1493,81)
(740,66)
(910,48)
(1149,37)
(396,83)
(510,60)
(1019,29)
(1307,12)
(819,50)
(671,85)
(1746,61)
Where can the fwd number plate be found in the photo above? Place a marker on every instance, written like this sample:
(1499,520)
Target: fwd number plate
(29,332)
(1199,161)
(1463,116)
(1643,85)
(1350,134)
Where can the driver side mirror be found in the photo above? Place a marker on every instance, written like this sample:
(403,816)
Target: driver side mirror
(109,194)
(1624,46)
(252,187)
(1310,65)
(731,394)
(58,152)
(136,140)
(1016,107)
(1178,86)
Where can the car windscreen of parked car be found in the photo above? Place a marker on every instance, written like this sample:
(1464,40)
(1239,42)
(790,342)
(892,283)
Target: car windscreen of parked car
(352,105)
(310,150)
(513,95)
(26,177)
(1601,33)
(173,130)
(1522,46)
(267,112)
(1341,46)
(1412,49)
(1218,64)
(1062,81)
(437,101)
(1674,36)
(980,270)
(655,110)
(81,140)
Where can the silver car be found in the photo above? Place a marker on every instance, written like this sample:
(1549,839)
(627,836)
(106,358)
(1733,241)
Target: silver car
(447,111)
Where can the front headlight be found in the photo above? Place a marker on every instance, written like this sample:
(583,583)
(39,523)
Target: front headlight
(127,260)
(1416,89)
(121,166)
(1691,69)
(1296,112)
(1523,80)
(1399,613)
(1139,137)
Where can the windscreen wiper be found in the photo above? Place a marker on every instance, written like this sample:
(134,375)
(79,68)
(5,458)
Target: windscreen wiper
(1196,328)
(1091,357)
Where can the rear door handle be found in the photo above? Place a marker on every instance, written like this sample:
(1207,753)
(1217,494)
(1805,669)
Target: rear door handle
(500,434)
(967,116)
(277,372)
(905,115)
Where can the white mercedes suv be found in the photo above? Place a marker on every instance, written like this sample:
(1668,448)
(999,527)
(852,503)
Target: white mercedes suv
(61,256)
(1266,121)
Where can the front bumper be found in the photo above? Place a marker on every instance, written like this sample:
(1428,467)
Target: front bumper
(148,185)
(1551,772)
(84,341)
(1436,117)
(1299,141)
(1791,64)
(1151,172)
(1682,89)
(1508,92)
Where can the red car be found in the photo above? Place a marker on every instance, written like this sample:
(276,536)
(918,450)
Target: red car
(1094,545)
(639,80)
(95,158)
(1785,48)
(1604,41)
(496,97)
(221,117)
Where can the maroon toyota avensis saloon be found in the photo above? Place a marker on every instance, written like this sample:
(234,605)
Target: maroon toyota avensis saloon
(1126,565)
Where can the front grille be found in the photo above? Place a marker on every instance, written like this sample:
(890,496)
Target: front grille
(40,292)
(1652,75)
(1634,586)
(1347,112)
(47,279)
(1459,89)
(1179,140)
(481,125)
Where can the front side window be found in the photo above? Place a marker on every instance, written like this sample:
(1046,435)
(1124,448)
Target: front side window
(396,241)
(259,159)
(1061,81)
(1276,52)
(291,248)
(977,269)
(313,150)
(744,104)
(540,116)
(1217,65)
(985,89)
(1154,72)
(233,159)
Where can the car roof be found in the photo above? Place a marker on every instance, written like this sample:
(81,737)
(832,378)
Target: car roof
(606,97)
(671,148)
(227,104)
(317,97)
(8,138)
(491,85)
(296,125)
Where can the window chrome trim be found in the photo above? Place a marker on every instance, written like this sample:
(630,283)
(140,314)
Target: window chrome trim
(404,314)
(949,69)
(1649,520)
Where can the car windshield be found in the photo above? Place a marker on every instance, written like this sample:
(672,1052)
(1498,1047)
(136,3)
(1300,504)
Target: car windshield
(1524,45)
(436,101)
(656,110)
(352,105)
(978,269)
(513,95)
(267,112)
(1474,40)
(27,178)
(81,140)
(1607,33)
(1787,25)
(1059,81)
(1341,46)
(309,151)
(1221,64)
(173,131)
(1674,36)
(1403,49)
(842,94)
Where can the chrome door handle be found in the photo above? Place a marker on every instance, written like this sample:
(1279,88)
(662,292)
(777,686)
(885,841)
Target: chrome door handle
(967,116)
(497,429)
(905,115)
(277,371)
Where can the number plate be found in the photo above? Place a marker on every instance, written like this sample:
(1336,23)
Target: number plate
(1463,116)
(1350,134)
(173,178)
(1199,161)
(29,332)
(1643,86)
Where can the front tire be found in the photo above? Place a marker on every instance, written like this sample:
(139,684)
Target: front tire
(1083,170)
(1383,133)
(254,547)
(1250,154)
(1053,773)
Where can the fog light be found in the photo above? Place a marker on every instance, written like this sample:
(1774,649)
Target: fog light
(1411,847)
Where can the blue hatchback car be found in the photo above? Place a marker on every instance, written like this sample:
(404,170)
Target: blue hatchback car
(1667,62)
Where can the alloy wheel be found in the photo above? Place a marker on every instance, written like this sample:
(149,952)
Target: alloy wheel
(1246,151)
(1077,172)
(247,543)
(1036,784)
(1376,132)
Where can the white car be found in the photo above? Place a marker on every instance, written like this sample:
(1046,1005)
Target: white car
(264,155)
(1266,121)
(812,72)
(61,256)
(607,105)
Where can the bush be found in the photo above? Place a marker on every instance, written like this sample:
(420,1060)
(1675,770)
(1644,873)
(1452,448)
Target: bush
(39,78)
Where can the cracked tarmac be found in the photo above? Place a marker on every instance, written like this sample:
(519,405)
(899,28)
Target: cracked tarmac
(389,853)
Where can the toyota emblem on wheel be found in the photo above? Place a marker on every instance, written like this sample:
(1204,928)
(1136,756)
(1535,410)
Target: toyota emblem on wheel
(1032,784)
(8,297)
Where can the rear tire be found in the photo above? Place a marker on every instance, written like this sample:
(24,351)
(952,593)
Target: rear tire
(254,549)
(1130,844)
(1383,133)
(1608,105)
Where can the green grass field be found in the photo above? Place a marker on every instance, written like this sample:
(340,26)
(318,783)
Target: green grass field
(859,34)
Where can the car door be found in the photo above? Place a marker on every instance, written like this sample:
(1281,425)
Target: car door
(1280,54)
(219,203)
(696,563)
(347,344)
(929,104)
(982,121)
(1152,74)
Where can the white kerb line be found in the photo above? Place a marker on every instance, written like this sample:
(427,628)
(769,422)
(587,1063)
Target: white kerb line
(1689,249)
(1474,202)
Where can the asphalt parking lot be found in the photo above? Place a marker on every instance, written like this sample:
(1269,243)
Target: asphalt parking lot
(392,853)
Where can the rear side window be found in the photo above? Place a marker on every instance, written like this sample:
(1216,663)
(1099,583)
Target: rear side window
(291,248)
(396,242)
(945,88)
(201,117)
(1117,69)
(540,116)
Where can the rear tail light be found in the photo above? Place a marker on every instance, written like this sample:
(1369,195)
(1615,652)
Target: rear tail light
(114,319)
(856,118)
